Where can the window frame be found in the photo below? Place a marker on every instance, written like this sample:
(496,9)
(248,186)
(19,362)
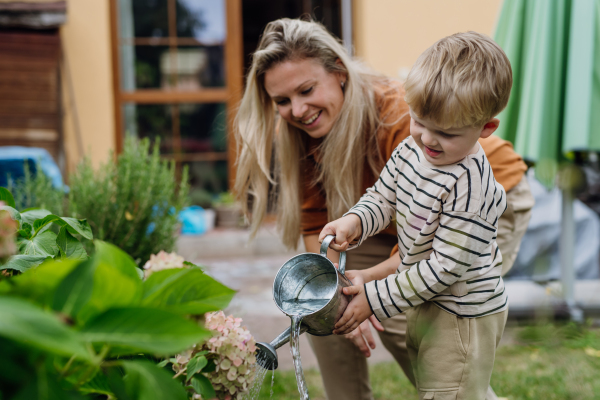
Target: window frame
(230,94)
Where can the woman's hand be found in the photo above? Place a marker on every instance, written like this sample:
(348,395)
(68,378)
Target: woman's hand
(357,277)
(362,336)
(345,230)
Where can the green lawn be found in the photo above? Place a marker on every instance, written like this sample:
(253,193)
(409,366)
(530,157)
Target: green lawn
(546,361)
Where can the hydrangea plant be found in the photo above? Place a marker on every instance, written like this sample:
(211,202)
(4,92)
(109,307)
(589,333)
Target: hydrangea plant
(228,357)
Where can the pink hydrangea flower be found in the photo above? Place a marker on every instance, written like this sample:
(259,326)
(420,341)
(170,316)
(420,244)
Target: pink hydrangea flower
(232,349)
(162,260)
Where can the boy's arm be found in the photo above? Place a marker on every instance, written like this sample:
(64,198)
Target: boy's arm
(459,240)
(370,215)
(377,207)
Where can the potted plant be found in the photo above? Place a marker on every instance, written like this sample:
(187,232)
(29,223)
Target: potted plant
(229,212)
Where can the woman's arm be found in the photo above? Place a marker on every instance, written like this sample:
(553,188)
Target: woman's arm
(383,269)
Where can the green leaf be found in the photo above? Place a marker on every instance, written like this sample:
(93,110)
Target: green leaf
(211,367)
(112,289)
(203,387)
(39,283)
(38,224)
(116,283)
(7,197)
(26,323)
(135,329)
(145,381)
(32,214)
(25,231)
(43,244)
(195,365)
(78,226)
(186,291)
(98,384)
(190,264)
(23,262)
(112,255)
(69,245)
(14,214)
(75,289)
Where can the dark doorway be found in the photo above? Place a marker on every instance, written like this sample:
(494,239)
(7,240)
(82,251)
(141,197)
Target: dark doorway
(256,14)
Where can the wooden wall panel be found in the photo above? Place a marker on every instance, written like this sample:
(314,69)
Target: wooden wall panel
(29,85)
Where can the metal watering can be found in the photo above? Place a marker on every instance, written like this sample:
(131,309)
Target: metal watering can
(302,280)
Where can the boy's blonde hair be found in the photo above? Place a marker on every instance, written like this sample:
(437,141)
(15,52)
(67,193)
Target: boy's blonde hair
(463,80)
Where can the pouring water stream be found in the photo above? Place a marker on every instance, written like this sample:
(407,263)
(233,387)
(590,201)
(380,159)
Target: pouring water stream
(308,289)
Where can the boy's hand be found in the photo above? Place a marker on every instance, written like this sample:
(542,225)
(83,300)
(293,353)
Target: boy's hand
(345,230)
(357,311)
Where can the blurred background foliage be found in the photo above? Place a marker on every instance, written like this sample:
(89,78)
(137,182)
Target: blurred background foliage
(131,202)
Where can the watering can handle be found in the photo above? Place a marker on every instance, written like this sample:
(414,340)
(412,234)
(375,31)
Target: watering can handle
(325,246)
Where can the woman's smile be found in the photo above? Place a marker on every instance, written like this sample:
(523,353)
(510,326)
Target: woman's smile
(312,121)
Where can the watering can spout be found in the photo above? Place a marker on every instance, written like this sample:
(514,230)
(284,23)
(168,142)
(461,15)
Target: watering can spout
(266,353)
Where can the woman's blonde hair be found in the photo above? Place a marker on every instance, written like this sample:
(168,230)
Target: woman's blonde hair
(462,80)
(268,163)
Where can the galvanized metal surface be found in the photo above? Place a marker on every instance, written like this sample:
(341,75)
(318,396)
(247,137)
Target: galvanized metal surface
(306,277)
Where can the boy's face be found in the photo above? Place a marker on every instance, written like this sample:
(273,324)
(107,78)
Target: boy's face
(447,146)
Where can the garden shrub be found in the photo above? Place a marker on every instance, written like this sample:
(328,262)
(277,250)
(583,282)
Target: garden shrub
(132,203)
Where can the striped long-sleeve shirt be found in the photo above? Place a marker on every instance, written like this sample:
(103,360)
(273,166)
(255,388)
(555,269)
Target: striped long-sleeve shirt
(447,218)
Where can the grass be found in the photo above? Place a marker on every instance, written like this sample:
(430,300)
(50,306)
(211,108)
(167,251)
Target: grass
(545,361)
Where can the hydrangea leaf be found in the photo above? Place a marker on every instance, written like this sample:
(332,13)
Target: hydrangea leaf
(22,262)
(26,323)
(14,214)
(131,330)
(69,246)
(40,282)
(203,387)
(33,214)
(144,380)
(43,244)
(195,365)
(7,197)
(78,226)
(112,255)
(186,291)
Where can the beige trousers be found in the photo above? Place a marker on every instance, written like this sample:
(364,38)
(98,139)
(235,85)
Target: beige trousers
(344,368)
(452,357)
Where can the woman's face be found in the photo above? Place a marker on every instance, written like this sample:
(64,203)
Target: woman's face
(306,95)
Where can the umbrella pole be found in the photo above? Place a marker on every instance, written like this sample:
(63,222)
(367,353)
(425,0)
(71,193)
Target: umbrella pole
(567,254)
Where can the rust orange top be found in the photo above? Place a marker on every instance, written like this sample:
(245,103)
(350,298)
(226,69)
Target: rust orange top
(508,166)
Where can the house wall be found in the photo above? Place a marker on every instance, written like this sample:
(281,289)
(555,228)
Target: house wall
(87,82)
(390,34)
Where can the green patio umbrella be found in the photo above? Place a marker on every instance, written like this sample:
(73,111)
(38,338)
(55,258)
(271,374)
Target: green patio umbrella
(554,109)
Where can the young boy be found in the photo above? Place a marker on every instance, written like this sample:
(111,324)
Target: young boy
(439,188)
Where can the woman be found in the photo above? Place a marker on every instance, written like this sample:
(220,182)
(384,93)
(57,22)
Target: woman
(338,124)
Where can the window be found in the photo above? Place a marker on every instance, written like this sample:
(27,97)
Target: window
(178,75)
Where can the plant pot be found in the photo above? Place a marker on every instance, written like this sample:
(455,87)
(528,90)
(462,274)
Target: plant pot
(229,216)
